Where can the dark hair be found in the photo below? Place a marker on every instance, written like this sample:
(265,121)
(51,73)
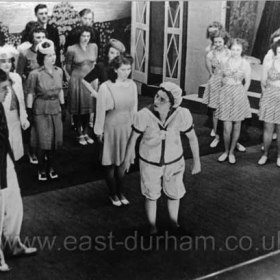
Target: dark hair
(238,41)
(39,7)
(107,48)
(36,29)
(216,24)
(41,56)
(79,31)
(170,96)
(220,34)
(3,76)
(274,46)
(85,12)
(25,34)
(116,63)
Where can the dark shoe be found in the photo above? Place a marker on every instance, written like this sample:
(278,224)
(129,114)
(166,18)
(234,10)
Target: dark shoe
(42,176)
(53,174)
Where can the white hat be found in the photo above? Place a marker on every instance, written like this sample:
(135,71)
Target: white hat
(45,50)
(174,90)
(8,51)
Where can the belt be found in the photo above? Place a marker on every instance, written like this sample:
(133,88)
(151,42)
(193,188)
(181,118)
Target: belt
(48,97)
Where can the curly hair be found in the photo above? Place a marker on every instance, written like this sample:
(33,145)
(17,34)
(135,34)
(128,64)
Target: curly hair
(79,31)
(221,33)
(116,63)
(238,41)
(36,29)
(215,24)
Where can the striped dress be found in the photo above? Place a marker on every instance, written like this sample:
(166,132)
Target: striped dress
(212,89)
(270,100)
(233,104)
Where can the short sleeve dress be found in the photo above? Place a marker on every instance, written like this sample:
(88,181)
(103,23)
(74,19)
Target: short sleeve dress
(82,62)
(213,87)
(270,100)
(116,106)
(233,104)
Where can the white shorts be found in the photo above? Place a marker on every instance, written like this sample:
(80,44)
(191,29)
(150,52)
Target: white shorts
(168,178)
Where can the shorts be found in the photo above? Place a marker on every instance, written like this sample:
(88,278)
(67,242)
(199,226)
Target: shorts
(168,178)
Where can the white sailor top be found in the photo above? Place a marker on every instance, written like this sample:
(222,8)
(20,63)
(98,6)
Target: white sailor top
(161,143)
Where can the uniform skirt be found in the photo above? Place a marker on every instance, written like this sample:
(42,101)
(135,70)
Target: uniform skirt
(270,105)
(233,104)
(212,91)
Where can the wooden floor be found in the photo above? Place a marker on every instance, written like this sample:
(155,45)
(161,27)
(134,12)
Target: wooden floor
(235,208)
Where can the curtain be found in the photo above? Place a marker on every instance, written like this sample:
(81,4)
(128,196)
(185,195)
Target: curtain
(270,21)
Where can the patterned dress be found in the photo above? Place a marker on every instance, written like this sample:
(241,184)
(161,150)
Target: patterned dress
(233,104)
(81,63)
(270,100)
(212,90)
(116,106)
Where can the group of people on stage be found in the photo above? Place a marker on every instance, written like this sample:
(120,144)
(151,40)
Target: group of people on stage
(102,94)
(226,91)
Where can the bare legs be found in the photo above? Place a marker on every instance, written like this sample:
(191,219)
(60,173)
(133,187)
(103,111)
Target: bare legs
(114,180)
(151,211)
(267,139)
(231,136)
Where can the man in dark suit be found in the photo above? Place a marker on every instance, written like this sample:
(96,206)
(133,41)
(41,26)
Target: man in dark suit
(41,12)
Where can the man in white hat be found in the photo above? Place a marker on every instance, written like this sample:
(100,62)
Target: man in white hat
(162,163)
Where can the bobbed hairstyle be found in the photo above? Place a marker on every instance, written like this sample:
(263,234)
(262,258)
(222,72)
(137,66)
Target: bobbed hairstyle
(116,63)
(238,41)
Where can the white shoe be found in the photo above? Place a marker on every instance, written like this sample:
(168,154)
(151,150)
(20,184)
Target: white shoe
(274,136)
(278,162)
(82,140)
(231,159)
(214,143)
(240,148)
(212,133)
(262,148)
(4,268)
(222,157)
(262,160)
(88,139)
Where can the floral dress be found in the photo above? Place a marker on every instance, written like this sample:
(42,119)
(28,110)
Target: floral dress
(270,100)
(233,104)
(212,89)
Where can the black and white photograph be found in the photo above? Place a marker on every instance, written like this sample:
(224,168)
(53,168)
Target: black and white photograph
(140,140)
